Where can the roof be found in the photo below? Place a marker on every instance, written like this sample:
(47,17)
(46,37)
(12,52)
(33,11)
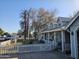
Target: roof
(64,18)
(63,21)
(64,27)
(73,19)
(57,29)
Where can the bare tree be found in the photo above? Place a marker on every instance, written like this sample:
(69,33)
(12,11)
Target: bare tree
(43,16)
(46,15)
(37,17)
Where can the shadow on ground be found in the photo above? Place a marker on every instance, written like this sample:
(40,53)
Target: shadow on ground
(39,55)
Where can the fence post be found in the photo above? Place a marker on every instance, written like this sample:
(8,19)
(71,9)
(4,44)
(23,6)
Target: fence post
(17,48)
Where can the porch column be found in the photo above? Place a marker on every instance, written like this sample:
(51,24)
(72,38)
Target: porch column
(63,40)
(48,37)
(43,36)
(74,50)
(55,39)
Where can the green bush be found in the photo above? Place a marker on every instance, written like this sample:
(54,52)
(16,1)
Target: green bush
(20,40)
(41,41)
(28,41)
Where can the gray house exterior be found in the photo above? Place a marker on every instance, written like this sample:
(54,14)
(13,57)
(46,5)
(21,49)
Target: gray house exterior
(73,28)
(64,35)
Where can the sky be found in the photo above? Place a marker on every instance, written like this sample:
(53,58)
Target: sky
(10,10)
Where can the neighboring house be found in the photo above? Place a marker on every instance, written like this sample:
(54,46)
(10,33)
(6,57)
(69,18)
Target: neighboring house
(14,35)
(64,33)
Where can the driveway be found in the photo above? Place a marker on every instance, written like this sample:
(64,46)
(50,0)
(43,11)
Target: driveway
(39,55)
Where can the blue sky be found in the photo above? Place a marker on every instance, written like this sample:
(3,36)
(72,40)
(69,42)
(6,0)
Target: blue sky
(10,10)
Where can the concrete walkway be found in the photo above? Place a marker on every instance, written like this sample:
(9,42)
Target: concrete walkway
(40,55)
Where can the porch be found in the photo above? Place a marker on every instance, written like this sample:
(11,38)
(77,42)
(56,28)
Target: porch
(60,39)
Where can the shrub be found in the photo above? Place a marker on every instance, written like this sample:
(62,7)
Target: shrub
(41,41)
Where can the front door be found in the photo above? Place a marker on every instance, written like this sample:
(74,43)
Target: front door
(78,42)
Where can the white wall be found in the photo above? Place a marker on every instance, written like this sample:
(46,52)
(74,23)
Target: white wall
(73,28)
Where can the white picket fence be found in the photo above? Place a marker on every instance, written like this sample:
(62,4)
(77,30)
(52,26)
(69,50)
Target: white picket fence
(35,48)
(27,48)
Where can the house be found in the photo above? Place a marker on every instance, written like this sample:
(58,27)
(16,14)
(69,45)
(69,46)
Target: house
(64,34)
